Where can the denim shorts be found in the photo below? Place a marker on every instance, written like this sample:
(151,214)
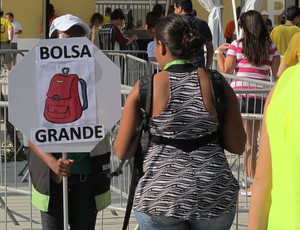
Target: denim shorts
(148,222)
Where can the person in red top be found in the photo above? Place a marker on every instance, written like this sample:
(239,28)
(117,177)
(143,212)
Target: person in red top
(230,27)
(50,17)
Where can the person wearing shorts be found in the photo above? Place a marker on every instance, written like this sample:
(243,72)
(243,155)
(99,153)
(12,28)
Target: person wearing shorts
(243,58)
(6,29)
(17,31)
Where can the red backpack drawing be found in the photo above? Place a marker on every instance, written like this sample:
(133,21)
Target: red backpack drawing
(63,103)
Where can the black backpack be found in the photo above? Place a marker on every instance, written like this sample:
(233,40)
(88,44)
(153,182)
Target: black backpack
(145,94)
(219,98)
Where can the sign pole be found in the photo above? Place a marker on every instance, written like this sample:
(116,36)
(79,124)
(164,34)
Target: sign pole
(65,197)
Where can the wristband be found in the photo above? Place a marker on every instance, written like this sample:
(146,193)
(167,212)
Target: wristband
(218,52)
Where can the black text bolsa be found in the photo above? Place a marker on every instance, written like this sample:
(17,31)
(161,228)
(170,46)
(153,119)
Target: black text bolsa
(57,52)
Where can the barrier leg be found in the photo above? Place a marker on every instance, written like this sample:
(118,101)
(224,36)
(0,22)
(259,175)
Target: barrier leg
(9,213)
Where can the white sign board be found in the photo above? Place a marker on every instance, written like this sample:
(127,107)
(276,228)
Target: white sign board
(65,95)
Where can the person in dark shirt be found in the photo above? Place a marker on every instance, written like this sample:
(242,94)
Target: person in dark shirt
(185,7)
(117,21)
(88,184)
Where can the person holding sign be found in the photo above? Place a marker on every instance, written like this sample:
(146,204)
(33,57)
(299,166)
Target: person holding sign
(88,184)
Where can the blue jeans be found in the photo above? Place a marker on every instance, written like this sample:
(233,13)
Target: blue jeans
(148,222)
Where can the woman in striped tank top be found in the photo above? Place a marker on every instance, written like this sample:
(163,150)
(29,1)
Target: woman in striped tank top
(250,57)
(185,186)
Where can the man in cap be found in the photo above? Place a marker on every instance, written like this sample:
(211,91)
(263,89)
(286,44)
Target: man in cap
(265,15)
(88,185)
(185,7)
(267,20)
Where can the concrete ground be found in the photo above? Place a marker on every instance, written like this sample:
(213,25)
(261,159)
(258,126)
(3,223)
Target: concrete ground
(17,200)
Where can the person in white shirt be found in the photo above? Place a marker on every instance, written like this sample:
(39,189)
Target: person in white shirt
(17,31)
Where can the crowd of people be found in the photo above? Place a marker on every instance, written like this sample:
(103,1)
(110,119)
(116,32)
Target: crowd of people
(10,29)
(187,181)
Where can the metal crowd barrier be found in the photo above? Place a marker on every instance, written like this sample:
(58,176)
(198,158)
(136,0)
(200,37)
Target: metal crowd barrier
(139,8)
(5,149)
(132,68)
(3,68)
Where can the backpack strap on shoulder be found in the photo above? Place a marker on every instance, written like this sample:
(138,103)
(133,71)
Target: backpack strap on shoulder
(219,98)
(145,94)
(146,97)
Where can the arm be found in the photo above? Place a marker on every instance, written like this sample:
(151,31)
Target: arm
(121,39)
(275,66)
(209,54)
(261,192)
(119,36)
(281,69)
(291,55)
(225,65)
(11,34)
(19,32)
(92,37)
(18,29)
(233,130)
(59,166)
(131,118)
(234,135)
(132,38)
(10,30)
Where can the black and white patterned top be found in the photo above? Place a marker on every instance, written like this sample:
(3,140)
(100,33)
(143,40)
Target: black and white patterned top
(186,185)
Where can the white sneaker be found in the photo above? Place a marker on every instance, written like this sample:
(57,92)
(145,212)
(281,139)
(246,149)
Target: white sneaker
(245,185)
(245,193)
(248,180)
